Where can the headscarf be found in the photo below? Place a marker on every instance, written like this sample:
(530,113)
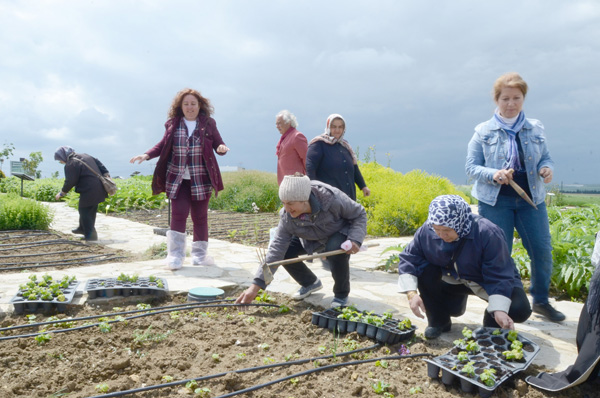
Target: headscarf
(62,153)
(512,160)
(331,140)
(451,211)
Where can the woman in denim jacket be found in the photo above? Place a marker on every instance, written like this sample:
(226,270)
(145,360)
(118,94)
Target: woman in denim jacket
(507,142)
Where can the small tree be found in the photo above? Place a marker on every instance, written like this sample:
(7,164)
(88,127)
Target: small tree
(30,165)
(7,150)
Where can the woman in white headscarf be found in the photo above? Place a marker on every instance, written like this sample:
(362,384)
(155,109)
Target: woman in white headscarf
(86,183)
(330,159)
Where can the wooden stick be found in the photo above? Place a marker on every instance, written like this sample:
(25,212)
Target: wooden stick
(520,191)
(313,256)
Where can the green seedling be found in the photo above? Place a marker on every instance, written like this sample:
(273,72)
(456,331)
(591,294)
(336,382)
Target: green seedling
(61,297)
(30,318)
(383,363)
(160,284)
(167,378)
(102,388)
(250,320)
(143,306)
(264,297)
(289,357)
(42,338)
(350,345)
(140,338)
(497,332)
(469,369)
(513,355)
(462,356)
(512,335)
(472,347)
(405,324)
(191,385)
(415,390)
(460,343)
(516,345)
(203,392)
(284,309)
(488,377)
(216,357)
(240,355)
(294,381)
(105,327)
(264,346)
(152,278)
(268,360)
(380,387)
(387,315)
(467,333)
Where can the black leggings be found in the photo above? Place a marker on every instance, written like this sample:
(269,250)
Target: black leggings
(443,300)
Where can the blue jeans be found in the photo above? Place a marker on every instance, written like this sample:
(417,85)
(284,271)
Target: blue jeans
(533,228)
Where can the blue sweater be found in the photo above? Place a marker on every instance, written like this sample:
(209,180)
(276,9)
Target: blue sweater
(333,165)
(484,259)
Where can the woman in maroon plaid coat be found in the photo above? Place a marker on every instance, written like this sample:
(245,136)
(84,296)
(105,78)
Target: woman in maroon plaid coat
(187,170)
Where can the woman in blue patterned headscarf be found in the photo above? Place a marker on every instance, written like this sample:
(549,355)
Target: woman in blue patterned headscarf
(451,211)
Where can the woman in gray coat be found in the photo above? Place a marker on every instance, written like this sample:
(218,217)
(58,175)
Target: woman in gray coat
(86,183)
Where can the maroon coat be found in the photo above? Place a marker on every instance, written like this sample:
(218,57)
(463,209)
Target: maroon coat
(212,139)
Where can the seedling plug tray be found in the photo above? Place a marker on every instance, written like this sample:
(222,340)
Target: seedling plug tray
(111,287)
(490,356)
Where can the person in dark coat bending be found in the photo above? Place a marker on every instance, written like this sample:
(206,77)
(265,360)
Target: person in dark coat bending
(455,254)
(86,183)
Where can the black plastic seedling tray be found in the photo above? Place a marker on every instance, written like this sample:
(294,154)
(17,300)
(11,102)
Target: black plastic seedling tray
(389,333)
(490,356)
(111,287)
(23,304)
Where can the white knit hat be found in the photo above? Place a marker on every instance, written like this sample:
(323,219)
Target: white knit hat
(294,188)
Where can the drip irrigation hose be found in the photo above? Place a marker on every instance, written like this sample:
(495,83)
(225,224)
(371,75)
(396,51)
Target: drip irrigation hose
(319,369)
(41,243)
(87,318)
(191,306)
(245,370)
(27,235)
(44,254)
(63,263)
(49,263)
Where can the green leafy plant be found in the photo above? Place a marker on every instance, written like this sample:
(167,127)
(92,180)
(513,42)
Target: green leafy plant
(102,388)
(415,390)
(497,332)
(469,369)
(19,213)
(167,378)
(467,333)
(216,357)
(380,386)
(203,392)
(462,356)
(488,377)
(141,338)
(472,347)
(105,327)
(42,339)
(512,335)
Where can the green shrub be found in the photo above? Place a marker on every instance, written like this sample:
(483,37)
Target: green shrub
(399,203)
(242,188)
(20,213)
(573,233)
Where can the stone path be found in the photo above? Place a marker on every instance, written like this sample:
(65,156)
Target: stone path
(236,264)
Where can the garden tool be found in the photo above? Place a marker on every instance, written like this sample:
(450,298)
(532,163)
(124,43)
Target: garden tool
(268,275)
(520,191)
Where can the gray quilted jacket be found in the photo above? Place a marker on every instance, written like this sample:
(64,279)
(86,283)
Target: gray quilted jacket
(331,211)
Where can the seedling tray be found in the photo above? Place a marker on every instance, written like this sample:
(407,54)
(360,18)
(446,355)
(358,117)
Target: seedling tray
(111,287)
(489,356)
(23,304)
(388,333)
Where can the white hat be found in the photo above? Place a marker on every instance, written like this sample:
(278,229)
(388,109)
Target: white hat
(295,188)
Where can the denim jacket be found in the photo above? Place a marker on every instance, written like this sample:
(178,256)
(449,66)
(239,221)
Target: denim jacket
(487,152)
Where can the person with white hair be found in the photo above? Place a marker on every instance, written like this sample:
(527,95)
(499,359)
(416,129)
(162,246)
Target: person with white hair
(316,217)
(291,148)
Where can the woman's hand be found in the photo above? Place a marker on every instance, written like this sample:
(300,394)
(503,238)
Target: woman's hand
(502,177)
(366,191)
(546,174)
(139,158)
(248,295)
(222,149)
(59,195)
(416,304)
(504,320)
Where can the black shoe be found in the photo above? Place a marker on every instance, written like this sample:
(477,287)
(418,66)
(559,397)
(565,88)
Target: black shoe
(77,231)
(549,312)
(92,237)
(432,332)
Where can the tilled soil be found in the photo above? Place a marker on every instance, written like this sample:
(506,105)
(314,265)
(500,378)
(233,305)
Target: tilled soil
(183,344)
(38,250)
(245,228)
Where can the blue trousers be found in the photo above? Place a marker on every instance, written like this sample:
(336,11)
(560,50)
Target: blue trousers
(534,229)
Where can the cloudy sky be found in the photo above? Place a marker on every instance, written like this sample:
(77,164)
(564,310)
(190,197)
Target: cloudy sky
(412,78)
